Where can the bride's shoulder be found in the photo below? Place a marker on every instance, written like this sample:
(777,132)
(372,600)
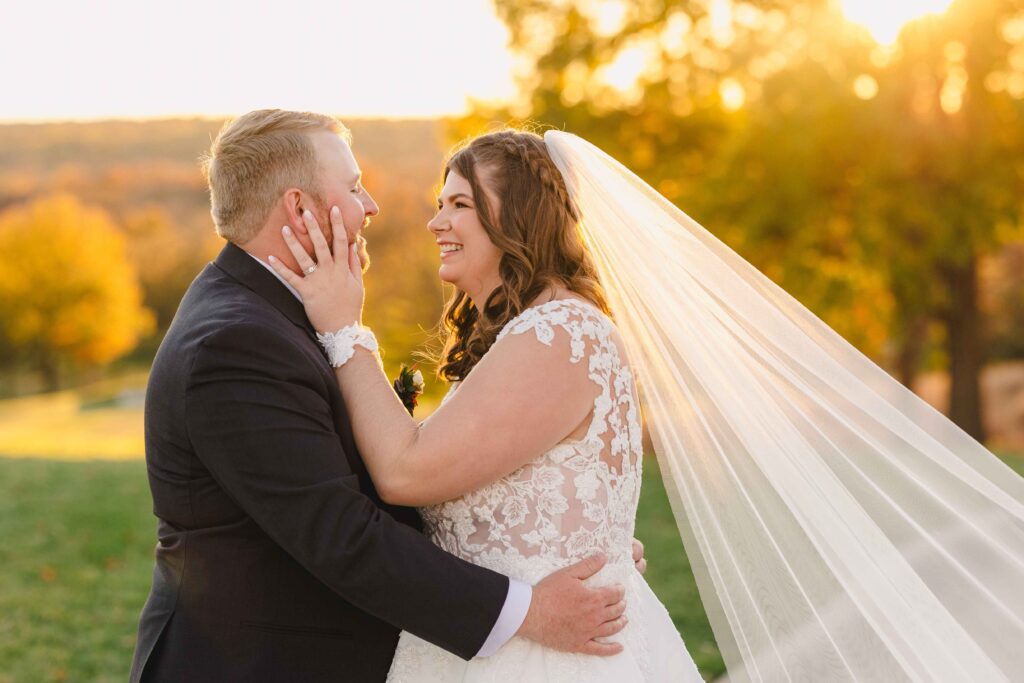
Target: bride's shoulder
(577,316)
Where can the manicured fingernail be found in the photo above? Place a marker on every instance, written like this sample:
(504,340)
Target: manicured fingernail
(335,211)
(286,230)
(307,214)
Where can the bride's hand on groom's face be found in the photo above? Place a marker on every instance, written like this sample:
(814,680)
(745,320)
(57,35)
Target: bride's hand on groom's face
(569,616)
(331,286)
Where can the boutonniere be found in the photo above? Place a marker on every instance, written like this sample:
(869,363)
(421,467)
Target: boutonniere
(408,386)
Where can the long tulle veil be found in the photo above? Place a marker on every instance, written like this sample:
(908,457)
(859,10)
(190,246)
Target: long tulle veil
(840,529)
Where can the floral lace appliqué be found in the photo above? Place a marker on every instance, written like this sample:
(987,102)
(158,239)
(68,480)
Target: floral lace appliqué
(579,497)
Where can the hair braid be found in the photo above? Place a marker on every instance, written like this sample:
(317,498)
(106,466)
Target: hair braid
(538,163)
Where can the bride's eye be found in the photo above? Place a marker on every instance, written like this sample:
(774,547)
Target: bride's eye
(461,205)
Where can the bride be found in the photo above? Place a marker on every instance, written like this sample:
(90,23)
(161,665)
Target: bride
(839,528)
(533,460)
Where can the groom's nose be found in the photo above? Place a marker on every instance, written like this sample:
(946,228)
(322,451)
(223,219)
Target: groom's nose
(370,207)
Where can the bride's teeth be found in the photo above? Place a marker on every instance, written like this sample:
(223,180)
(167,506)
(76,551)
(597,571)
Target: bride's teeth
(445,248)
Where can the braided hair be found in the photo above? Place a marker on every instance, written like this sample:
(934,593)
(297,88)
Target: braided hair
(537,230)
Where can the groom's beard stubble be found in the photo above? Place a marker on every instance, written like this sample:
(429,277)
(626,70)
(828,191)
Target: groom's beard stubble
(362,253)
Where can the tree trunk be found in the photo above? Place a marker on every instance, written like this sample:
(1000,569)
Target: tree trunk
(908,356)
(48,363)
(965,347)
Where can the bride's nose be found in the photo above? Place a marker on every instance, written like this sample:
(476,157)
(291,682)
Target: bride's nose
(437,224)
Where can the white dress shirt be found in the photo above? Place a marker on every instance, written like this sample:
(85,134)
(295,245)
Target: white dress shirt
(520,594)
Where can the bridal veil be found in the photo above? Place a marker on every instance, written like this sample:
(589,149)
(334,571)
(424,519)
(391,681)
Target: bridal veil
(840,529)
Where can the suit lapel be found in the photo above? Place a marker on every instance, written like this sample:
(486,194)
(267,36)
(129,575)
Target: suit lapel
(243,267)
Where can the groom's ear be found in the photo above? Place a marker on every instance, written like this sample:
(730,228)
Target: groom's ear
(295,201)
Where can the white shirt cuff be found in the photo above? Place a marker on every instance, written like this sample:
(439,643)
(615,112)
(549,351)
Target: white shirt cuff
(513,613)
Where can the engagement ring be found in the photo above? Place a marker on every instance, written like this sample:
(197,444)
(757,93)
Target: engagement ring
(309,271)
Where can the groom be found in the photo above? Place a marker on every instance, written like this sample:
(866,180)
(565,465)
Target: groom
(276,559)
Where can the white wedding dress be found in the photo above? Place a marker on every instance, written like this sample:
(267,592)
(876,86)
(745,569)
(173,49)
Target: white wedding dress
(578,498)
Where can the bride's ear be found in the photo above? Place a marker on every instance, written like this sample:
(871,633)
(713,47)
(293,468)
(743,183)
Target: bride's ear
(295,201)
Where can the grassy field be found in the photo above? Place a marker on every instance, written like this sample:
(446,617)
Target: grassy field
(77,557)
(78,539)
(101,420)
(76,562)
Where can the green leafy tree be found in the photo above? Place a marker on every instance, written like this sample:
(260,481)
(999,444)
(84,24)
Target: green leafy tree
(690,122)
(951,109)
(866,180)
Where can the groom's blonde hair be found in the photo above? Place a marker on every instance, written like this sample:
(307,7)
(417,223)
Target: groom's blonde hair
(254,159)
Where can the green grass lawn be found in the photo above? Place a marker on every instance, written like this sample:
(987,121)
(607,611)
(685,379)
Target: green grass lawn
(75,567)
(76,558)
(77,555)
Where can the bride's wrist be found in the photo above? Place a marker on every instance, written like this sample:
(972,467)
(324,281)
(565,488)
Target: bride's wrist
(341,344)
(326,324)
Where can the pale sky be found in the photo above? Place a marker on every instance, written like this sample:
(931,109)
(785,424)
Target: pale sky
(74,59)
(79,59)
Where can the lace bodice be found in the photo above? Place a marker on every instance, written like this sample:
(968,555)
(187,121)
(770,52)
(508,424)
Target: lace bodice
(580,496)
(577,498)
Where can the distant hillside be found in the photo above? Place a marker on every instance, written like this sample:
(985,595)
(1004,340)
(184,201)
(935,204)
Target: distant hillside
(126,165)
(140,169)
(131,163)
(95,144)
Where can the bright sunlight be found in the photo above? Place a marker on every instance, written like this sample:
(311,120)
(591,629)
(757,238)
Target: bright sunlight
(885,18)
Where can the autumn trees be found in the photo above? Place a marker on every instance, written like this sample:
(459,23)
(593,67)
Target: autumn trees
(140,182)
(68,293)
(867,180)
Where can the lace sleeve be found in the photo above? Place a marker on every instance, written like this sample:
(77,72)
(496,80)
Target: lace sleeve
(592,335)
(568,314)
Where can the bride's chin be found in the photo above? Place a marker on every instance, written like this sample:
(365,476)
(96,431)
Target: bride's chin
(446,277)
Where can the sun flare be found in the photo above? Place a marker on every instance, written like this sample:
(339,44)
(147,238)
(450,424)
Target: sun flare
(885,18)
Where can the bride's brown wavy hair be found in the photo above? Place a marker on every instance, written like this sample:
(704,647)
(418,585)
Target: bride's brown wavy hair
(536,229)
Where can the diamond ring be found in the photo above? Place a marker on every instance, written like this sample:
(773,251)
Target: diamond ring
(309,271)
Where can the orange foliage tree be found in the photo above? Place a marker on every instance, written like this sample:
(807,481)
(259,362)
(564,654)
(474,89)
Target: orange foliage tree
(68,292)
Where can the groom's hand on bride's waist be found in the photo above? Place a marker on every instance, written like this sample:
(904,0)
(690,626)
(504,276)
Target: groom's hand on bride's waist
(567,615)
(638,556)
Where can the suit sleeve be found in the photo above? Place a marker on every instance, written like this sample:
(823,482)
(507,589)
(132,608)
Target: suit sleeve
(258,420)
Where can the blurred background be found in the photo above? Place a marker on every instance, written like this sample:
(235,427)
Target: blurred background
(866,155)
